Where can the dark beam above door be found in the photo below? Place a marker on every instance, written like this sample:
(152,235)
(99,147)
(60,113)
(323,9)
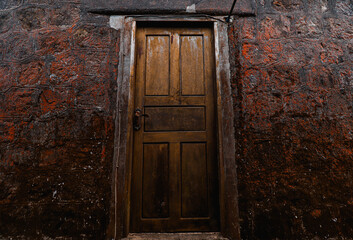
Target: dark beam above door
(211,7)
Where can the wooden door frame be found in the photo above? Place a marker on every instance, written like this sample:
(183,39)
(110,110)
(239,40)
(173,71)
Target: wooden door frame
(228,193)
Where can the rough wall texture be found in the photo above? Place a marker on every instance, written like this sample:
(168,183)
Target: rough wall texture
(212,7)
(58,67)
(292,84)
(293,79)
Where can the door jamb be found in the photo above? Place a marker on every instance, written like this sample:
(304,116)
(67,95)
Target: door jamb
(228,193)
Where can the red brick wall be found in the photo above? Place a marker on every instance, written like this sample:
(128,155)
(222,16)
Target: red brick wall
(58,67)
(292,86)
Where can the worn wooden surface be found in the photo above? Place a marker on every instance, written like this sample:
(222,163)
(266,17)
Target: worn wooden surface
(228,168)
(174,180)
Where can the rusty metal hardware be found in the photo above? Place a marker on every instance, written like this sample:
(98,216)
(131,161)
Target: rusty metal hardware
(137,118)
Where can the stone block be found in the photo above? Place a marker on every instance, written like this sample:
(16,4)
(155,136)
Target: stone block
(56,100)
(250,52)
(52,42)
(322,78)
(77,155)
(331,52)
(308,26)
(274,27)
(5,21)
(66,68)
(7,131)
(32,18)
(31,74)
(19,102)
(248,28)
(91,37)
(96,64)
(340,28)
(94,94)
(19,47)
(261,110)
(7,78)
(36,133)
(64,15)
(13,155)
(302,104)
(287,5)
(345,77)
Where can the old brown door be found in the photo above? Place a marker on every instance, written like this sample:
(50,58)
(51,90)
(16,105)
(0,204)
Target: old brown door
(174,170)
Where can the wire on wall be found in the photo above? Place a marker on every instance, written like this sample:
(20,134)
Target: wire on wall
(231,11)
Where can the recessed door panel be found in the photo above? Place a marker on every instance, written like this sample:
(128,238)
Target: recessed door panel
(155,181)
(194,186)
(175,119)
(192,66)
(157,66)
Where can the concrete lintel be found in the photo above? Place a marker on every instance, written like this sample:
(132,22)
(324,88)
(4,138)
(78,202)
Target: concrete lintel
(210,7)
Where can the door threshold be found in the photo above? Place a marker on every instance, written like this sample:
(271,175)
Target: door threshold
(176,236)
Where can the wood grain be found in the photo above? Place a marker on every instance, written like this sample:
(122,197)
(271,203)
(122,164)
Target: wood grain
(155,181)
(192,65)
(157,65)
(194,186)
(174,184)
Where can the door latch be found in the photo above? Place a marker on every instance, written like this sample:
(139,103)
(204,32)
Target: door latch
(137,118)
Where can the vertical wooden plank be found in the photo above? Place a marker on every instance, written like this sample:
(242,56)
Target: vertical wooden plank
(227,168)
(194,180)
(174,63)
(192,65)
(137,155)
(212,162)
(157,66)
(155,181)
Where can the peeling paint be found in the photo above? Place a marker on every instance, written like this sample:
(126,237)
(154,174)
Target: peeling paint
(116,22)
(191,9)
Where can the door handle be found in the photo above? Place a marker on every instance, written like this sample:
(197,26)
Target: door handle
(137,118)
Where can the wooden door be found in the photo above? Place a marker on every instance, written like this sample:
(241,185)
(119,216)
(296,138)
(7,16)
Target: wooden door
(174,170)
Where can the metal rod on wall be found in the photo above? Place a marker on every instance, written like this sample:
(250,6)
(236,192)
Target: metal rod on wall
(231,10)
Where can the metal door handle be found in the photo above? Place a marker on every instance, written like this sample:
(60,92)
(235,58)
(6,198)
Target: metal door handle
(137,118)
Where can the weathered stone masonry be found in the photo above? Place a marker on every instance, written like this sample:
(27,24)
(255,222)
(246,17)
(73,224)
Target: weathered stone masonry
(58,72)
(293,73)
(292,68)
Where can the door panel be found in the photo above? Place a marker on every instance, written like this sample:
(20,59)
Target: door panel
(175,119)
(174,184)
(155,180)
(192,72)
(157,66)
(194,187)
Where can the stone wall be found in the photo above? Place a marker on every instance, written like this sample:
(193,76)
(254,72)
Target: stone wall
(58,67)
(293,85)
